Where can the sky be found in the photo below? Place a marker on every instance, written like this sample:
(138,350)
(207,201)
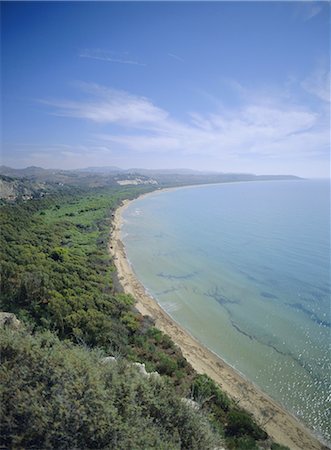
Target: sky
(221,86)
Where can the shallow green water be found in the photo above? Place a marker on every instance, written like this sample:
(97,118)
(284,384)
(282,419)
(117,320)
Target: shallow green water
(245,268)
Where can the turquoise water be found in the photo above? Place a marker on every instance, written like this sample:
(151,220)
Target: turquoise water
(245,268)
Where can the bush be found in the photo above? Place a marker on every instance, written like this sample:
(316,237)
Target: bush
(205,390)
(242,443)
(241,423)
(58,395)
(59,254)
(275,446)
(165,365)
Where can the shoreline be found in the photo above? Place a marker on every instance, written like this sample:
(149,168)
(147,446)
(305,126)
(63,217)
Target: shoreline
(281,425)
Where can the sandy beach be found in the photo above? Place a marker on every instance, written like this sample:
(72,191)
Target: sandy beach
(280,424)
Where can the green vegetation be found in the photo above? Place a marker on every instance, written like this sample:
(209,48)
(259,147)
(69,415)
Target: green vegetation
(275,446)
(34,182)
(57,395)
(57,277)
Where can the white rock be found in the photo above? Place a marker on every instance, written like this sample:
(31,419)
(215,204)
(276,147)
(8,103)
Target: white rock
(108,360)
(9,320)
(142,370)
(191,403)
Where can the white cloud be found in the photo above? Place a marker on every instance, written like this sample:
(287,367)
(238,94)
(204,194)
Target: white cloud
(253,132)
(112,57)
(308,9)
(313,9)
(110,106)
(178,58)
(318,84)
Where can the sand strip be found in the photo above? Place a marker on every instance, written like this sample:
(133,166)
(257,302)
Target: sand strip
(279,424)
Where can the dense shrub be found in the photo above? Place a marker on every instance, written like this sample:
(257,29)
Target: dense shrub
(205,390)
(57,395)
(275,446)
(241,423)
(242,443)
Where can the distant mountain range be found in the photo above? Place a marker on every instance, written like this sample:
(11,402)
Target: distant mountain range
(34,172)
(33,181)
(114,169)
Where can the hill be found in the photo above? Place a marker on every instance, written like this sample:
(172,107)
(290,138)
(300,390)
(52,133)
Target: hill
(94,177)
(19,188)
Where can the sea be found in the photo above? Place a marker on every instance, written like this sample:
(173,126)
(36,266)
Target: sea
(245,268)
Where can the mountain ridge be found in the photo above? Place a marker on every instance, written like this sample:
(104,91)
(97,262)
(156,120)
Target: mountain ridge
(32,171)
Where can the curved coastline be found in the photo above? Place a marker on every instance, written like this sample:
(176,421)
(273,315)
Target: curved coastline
(280,424)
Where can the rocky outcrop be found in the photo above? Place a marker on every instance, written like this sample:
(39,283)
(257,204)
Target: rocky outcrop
(191,403)
(12,189)
(142,370)
(9,320)
(140,367)
(108,360)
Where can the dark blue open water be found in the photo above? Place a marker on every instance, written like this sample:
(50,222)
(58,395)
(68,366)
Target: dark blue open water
(245,268)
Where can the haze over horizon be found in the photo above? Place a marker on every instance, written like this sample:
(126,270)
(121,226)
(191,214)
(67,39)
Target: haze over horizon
(210,86)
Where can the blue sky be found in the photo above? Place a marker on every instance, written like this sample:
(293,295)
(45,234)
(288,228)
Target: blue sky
(226,86)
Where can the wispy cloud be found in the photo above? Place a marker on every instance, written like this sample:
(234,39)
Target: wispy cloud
(318,83)
(313,9)
(178,58)
(249,133)
(309,9)
(105,105)
(108,56)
